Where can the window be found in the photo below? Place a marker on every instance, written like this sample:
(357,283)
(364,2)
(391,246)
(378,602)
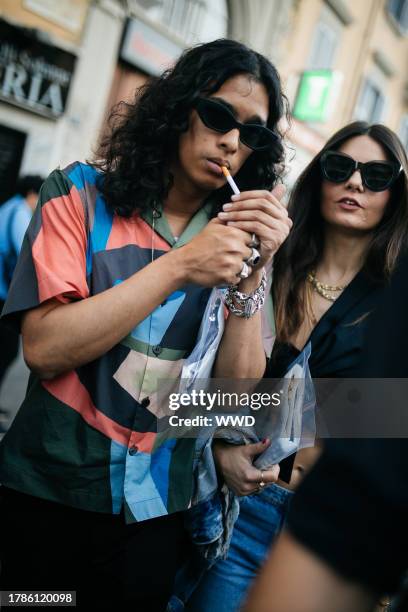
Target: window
(191,20)
(323,48)
(398,10)
(403,131)
(371,103)
(325,41)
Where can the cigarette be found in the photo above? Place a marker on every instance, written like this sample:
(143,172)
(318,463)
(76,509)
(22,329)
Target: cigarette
(234,187)
(230,180)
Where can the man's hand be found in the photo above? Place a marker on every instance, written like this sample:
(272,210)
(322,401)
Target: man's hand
(215,256)
(260,212)
(235,464)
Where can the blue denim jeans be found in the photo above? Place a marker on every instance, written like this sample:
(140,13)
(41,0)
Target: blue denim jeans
(224,587)
(210,526)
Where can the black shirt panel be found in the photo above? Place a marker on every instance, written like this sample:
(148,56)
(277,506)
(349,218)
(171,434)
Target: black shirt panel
(337,341)
(351,510)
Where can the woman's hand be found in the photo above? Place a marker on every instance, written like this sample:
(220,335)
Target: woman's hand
(235,465)
(260,212)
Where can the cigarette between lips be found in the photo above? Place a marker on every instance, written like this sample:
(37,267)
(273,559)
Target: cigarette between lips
(230,180)
(234,187)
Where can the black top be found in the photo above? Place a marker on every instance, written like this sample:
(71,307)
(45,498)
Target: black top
(337,341)
(351,509)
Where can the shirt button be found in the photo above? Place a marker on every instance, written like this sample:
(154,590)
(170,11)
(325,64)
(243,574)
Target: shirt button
(133,450)
(145,402)
(157,349)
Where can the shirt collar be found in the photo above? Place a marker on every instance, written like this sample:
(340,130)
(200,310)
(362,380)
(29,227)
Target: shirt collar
(197,222)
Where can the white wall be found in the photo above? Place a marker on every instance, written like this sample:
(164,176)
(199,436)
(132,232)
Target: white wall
(78,130)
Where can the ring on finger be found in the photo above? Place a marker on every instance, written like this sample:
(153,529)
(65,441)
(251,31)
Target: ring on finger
(254,241)
(245,270)
(254,258)
(261,483)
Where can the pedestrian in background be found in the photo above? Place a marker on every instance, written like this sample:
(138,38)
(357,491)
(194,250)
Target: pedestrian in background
(15,215)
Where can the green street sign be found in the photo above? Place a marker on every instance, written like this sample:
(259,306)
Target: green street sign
(314,95)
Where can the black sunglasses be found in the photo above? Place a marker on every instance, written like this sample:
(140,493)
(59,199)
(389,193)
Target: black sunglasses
(217,117)
(375,175)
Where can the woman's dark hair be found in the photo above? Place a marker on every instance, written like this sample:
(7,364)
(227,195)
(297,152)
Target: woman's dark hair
(303,249)
(134,156)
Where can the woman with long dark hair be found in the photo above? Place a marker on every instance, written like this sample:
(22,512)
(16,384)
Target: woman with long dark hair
(350,225)
(110,289)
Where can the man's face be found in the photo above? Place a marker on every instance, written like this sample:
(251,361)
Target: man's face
(202,150)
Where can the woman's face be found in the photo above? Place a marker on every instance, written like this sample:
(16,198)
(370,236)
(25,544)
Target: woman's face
(351,205)
(202,150)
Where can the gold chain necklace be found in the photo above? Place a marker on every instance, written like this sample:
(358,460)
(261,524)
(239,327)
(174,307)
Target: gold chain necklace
(322,289)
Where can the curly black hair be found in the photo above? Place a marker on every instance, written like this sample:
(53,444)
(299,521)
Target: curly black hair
(134,155)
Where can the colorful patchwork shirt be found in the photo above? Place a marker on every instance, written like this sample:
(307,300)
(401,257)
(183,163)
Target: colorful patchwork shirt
(87,438)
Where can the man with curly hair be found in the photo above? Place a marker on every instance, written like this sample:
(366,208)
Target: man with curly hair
(109,293)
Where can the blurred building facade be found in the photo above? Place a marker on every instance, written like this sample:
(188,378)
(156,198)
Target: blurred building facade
(63,64)
(342,60)
(57,61)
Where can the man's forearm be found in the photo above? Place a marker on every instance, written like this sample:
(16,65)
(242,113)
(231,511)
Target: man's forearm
(241,353)
(71,335)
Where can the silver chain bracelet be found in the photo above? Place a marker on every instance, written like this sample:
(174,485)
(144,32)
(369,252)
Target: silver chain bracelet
(246,304)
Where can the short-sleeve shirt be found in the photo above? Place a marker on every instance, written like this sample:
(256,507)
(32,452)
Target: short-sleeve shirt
(87,438)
